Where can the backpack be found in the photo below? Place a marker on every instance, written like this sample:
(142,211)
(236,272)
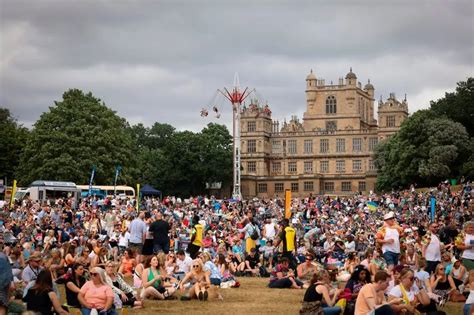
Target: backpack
(254,235)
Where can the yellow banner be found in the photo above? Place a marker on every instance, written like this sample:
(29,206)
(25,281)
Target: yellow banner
(138,197)
(12,198)
(288,204)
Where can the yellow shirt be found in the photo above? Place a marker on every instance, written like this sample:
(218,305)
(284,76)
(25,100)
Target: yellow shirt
(197,230)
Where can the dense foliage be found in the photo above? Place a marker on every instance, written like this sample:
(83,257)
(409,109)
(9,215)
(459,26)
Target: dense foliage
(80,132)
(12,140)
(432,145)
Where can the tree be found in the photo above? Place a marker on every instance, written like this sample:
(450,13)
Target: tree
(217,154)
(76,133)
(12,141)
(425,150)
(459,105)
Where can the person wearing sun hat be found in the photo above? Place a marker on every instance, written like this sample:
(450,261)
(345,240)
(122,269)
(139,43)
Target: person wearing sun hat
(388,236)
(33,268)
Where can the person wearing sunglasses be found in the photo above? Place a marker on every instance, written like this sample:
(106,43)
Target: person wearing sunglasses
(96,294)
(201,282)
(441,283)
(413,298)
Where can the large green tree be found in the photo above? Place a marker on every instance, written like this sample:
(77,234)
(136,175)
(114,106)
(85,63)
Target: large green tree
(76,133)
(458,105)
(425,150)
(12,141)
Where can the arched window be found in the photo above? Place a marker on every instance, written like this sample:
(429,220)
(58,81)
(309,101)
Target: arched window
(331,105)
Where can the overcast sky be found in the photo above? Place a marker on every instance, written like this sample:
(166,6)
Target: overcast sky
(163,60)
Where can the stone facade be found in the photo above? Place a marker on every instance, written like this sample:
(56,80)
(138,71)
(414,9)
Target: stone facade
(329,152)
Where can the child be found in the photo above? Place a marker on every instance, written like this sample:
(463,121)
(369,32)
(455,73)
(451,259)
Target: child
(267,250)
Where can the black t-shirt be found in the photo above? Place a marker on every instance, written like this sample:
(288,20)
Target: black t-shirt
(71,297)
(253,261)
(38,302)
(160,231)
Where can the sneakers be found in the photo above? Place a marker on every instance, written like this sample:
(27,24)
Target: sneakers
(201,296)
(206,295)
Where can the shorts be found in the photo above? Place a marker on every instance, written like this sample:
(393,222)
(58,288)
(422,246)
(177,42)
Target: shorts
(193,250)
(391,258)
(136,247)
(161,247)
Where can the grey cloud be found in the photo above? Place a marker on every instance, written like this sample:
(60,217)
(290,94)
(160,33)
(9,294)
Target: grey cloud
(163,60)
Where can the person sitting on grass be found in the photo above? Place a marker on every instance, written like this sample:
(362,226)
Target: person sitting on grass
(201,282)
(317,293)
(251,265)
(306,270)
(152,280)
(41,298)
(284,278)
(120,287)
(215,275)
(96,295)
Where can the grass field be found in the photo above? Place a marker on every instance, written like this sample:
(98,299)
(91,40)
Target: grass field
(253,297)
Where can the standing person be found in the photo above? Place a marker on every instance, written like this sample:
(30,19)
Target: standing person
(252,233)
(465,242)
(6,278)
(137,231)
(160,229)
(288,237)
(196,238)
(269,229)
(431,248)
(389,237)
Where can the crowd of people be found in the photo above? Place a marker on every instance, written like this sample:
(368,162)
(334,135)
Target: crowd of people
(361,254)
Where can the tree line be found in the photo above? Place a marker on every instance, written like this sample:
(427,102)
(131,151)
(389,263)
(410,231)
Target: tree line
(80,132)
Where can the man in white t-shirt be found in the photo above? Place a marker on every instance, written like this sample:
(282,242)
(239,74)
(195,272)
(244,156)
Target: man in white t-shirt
(184,264)
(269,230)
(389,237)
(432,250)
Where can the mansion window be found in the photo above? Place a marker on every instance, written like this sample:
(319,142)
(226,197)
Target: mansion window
(331,105)
(308,146)
(373,141)
(357,144)
(251,126)
(262,188)
(391,121)
(356,166)
(324,166)
(292,167)
(276,167)
(291,146)
(346,186)
(308,186)
(372,165)
(362,186)
(340,145)
(278,187)
(252,167)
(276,146)
(328,186)
(324,145)
(340,166)
(294,187)
(252,146)
(331,125)
(308,167)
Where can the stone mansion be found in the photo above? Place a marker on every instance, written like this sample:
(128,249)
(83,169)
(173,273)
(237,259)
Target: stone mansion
(329,152)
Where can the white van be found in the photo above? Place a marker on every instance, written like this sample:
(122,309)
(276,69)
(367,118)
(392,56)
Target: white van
(43,190)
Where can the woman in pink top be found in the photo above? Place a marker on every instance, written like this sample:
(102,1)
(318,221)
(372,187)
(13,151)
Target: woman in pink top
(96,294)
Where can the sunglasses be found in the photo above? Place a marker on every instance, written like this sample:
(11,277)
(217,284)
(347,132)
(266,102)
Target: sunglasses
(196,266)
(94,274)
(441,268)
